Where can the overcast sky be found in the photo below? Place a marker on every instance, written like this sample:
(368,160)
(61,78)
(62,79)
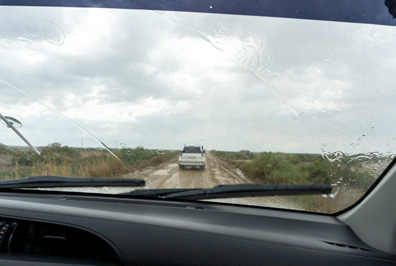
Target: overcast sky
(165,79)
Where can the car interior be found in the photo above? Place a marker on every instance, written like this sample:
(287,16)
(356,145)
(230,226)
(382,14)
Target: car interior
(40,227)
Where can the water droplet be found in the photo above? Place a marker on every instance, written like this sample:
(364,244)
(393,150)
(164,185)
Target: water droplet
(28,46)
(52,33)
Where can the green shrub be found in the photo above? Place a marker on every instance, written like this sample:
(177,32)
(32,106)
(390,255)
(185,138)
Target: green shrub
(275,168)
(318,172)
(4,149)
(133,156)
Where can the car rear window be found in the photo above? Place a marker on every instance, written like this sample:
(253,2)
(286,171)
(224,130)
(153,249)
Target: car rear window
(192,149)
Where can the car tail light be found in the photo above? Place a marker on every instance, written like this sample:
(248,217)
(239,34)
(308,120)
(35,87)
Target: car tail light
(181,153)
(201,153)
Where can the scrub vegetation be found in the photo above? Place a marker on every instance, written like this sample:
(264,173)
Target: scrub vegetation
(286,168)
(350,175)
(56,159)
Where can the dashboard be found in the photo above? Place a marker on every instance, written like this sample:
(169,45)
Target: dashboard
(64,229)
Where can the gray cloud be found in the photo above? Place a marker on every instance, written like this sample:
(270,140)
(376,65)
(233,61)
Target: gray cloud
(163,80)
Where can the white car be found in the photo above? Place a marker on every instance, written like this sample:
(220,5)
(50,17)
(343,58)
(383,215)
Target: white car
(192,156)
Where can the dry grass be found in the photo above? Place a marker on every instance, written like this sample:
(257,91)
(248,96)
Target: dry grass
(102,166)
(81,164)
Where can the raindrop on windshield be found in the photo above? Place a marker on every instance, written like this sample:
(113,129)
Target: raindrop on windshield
(52,33)
(28,46)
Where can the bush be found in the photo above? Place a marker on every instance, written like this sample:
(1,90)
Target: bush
(274,168)
(50,154)
(134,156)
(4,149)
(279,168)
(105,166)
(157,160)
(318,172)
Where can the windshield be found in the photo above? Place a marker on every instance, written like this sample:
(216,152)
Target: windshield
(120,93)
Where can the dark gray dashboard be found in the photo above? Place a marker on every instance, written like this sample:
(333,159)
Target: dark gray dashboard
(149,232)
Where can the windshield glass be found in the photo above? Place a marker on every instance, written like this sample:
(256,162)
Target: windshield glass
(196,100)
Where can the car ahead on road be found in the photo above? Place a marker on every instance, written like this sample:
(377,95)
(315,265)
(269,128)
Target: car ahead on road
(193,156)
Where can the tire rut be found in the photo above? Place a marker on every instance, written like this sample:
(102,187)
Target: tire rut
(216,172)
(168,175)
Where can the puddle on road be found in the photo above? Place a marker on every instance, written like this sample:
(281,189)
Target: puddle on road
(165,171)
(161,172)
(172,165)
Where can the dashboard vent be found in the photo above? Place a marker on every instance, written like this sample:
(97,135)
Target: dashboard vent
(346,246)
(43,239)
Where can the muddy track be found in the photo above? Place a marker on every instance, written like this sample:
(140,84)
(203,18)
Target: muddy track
(216,172)
(168,175)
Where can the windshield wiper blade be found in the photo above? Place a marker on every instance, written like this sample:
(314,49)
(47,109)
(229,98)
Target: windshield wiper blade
(157,193)
(60,181)
(247,190)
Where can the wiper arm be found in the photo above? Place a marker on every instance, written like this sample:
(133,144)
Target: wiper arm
(10,125)
(232,191)
(60,181)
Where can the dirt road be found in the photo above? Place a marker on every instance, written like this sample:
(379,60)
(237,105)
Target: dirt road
(216,172)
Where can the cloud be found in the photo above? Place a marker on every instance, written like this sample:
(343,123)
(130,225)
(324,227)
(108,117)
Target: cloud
(166,79)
